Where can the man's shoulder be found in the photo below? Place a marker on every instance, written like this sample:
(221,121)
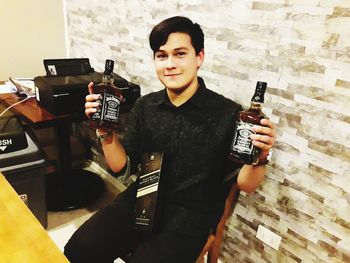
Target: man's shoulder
(219,100)
(154,97)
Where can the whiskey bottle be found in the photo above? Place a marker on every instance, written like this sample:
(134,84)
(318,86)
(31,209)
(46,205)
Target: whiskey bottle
(107,113)
(242,150)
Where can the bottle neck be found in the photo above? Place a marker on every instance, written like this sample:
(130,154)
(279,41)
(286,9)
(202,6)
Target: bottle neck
(256,105)
(108,79)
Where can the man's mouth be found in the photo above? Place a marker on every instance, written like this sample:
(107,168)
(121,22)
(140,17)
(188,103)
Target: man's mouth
(171,75)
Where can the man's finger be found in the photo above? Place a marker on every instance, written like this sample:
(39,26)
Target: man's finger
(263,138)
(263,146)
(90,87)
(92,104)
(266,122)
(263,130)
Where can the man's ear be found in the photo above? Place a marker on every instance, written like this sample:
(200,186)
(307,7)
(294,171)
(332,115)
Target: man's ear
(200,58)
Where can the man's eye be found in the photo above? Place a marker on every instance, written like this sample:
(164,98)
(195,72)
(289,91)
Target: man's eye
(161,56)
(181,54)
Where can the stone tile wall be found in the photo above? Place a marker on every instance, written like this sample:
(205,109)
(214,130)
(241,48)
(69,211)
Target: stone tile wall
(302,49)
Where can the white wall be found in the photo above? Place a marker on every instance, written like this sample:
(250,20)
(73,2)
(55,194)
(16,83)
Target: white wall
(301,48)
(29,32)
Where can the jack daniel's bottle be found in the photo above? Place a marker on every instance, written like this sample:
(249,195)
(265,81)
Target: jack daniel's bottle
(242,150)
(107,114)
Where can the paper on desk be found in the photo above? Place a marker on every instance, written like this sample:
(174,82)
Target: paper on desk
(22,84)
(7,88)
(25,86)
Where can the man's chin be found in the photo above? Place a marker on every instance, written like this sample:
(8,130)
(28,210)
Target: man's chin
(175,89)
(173,85)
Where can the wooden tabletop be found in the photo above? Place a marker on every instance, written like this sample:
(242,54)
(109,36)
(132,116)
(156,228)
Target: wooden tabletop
(22,238)
(31,112)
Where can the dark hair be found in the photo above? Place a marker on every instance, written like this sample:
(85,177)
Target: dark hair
(160,33)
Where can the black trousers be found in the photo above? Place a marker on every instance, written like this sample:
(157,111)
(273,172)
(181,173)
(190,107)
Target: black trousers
(109,234)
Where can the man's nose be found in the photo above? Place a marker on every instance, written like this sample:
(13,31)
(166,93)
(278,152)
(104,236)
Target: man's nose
(170,62)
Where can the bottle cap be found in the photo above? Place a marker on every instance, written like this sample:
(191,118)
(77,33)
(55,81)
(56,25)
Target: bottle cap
(109,65)
(259,92)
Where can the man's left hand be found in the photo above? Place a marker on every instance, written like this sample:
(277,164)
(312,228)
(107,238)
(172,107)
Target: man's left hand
(265,137)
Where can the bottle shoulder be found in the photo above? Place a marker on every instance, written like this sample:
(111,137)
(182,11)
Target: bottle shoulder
(251,115)
(107,88)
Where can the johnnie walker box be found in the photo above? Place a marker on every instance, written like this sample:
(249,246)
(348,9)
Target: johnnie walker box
(148,195)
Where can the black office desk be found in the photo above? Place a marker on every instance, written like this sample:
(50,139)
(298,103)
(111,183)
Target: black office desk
(67,188)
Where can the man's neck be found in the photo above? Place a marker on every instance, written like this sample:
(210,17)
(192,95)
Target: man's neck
(179,97)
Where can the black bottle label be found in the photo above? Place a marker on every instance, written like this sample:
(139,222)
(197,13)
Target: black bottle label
(108,110)
(242,142)
(110,107)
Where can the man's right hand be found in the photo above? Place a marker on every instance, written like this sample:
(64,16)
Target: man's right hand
(113,150)
(91,105)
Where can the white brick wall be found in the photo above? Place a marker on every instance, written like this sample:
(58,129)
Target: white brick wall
(302,49)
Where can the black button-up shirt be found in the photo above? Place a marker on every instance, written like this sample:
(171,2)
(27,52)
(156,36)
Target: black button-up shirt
(195,138)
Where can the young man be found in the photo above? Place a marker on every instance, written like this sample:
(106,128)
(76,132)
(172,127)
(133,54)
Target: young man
(192,125)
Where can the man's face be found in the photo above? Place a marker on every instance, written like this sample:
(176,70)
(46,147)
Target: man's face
(177,63)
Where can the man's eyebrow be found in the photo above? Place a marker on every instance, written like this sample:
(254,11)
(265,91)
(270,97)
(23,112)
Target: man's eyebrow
(181,48)
(176,49)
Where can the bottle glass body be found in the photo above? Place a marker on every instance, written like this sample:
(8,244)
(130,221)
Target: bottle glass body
(107,113)
(242,149)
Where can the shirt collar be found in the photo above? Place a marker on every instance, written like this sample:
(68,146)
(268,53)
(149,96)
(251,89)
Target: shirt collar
(198,99)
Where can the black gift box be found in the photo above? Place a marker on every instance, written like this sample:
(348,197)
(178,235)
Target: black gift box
(149,193)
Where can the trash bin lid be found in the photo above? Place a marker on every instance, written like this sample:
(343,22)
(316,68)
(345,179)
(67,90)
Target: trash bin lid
(25,157)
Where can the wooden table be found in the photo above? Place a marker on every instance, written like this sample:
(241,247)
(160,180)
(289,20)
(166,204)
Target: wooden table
(31,112)
(22,238)
(68,188)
